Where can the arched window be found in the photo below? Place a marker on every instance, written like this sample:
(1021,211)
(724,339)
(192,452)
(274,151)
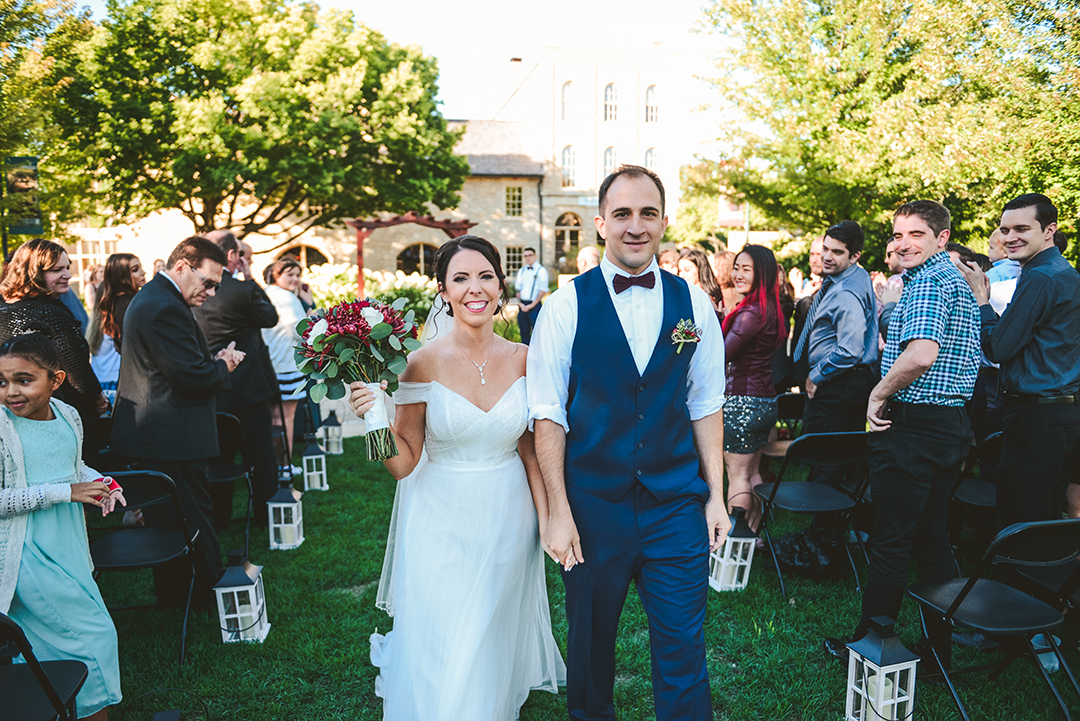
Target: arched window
(650,159)
(568,166)
(567,90)
(567,233)
(305,255)
(611,103)
(609,161)
(418,258)
(652,110)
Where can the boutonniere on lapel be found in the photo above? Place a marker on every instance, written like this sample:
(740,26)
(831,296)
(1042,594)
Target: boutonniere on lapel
(685,332)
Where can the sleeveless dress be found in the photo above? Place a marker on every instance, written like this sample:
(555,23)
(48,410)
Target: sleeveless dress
(464,572)
(57,602)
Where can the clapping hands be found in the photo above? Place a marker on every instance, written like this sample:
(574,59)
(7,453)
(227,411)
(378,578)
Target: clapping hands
(231,356)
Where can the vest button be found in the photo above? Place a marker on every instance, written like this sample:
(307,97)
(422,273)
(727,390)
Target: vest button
(640,417)
(641,388)
(640,445)
(639,473)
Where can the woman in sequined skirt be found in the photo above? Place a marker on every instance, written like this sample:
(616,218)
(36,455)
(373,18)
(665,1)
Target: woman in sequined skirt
(753,331)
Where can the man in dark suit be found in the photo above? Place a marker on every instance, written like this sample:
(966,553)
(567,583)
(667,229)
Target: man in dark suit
(237,313)
(164,414)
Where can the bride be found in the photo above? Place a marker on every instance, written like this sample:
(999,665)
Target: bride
(464,571)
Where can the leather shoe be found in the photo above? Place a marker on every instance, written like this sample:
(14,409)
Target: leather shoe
(836,648)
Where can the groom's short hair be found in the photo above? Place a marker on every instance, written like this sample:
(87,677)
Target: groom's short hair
(629,171)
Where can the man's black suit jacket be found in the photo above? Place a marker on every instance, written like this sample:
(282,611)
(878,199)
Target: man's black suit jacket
(165,399)
(238,312)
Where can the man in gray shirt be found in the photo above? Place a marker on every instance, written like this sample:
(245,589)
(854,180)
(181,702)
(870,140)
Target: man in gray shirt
(839,340)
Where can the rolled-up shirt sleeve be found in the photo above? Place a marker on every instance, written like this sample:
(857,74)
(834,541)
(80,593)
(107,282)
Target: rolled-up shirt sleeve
(548,367)
(705,380)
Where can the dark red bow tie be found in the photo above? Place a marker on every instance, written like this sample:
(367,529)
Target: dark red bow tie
(622,282)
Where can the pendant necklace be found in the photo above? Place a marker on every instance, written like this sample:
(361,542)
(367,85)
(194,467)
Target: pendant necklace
(480,366)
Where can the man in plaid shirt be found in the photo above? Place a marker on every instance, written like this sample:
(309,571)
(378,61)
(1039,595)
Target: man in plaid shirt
(920,432)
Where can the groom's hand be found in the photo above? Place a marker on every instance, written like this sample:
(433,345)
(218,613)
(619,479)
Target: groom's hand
(561,539)
(716,518)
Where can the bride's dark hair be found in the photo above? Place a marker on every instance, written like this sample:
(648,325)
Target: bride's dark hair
(469,242)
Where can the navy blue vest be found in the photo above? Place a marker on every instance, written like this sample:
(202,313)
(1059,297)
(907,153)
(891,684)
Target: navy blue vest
(625,427)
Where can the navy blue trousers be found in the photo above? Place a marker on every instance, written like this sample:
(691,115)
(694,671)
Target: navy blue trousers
(663,548)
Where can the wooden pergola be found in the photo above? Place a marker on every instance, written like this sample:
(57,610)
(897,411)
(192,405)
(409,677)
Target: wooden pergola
(452,228)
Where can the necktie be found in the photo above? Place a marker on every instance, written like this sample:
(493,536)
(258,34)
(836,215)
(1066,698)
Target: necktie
(810,318)
(622,282)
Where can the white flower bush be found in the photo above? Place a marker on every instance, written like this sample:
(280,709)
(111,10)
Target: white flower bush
(334,283)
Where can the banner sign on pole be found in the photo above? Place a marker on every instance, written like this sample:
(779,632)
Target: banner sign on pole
(24,210)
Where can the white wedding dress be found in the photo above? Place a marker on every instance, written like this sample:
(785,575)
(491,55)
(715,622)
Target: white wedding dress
(464,572)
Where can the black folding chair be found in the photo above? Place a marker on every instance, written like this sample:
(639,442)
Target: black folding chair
(996,609)
(37,690)
(134,549)
(808,497)
(225,471)
(979,492)
(789,413)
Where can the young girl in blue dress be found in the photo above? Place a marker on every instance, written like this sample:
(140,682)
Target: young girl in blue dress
(46,581)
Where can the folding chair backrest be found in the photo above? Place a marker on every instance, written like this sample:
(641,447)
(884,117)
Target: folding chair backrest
(990,449)
(827,449)
(11,633)
(1039,543)
(230,435)
(146,488)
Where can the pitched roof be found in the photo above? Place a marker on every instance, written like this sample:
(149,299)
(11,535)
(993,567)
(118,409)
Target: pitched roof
(497,148)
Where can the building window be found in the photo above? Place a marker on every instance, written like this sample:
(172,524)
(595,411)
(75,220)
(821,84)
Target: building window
(418,258)
(650,159)
(567,233)
(567,89)
(609,161)
(513,201)
(513,259)
(652,111)
(86,253)
(611,103)
(305,255)
(568,166)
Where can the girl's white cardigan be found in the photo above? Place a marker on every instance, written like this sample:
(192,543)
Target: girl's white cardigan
(17,498)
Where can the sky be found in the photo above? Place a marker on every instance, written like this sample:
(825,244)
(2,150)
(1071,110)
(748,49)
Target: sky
(474,40)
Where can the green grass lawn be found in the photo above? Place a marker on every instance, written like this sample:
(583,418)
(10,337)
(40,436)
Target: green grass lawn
(764,652)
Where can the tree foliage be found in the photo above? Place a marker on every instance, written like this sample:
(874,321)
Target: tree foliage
(37,39)
(857,106)
(700,189)
(258,115)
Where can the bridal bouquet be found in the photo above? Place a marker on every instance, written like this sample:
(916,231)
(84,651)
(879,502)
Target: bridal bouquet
(364,340)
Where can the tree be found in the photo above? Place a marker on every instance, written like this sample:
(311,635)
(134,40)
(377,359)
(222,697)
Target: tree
(860,105)
(36,38)
(259,116)
(700,193)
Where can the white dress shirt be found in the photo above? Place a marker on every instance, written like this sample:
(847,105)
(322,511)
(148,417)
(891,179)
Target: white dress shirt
(641,313)
(531,281)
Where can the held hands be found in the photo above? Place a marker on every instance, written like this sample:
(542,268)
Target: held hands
(560,539)
(231,356)
(102,403)
(362,398)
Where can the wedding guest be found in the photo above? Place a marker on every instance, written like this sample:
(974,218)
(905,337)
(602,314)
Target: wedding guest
(531,282)
(753,331)
(159,265)
(283,280)
(47,585)
(123,277)
(165,411)
(237,313)
(1037,343)
(810,285)
(642,498)
(694,269)
(588,258)
(92,277)
(919,431)
(37,276)
(669,260)
(725,260)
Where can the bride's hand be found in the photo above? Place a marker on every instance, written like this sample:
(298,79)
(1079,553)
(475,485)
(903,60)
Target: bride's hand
(362,398)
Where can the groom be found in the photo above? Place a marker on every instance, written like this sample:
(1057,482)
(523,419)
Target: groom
(629,436)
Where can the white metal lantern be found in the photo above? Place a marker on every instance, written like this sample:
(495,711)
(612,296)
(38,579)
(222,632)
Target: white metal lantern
(286,518)
(331,433)
(315,468)
(729,565)
(881,675)
(241,601)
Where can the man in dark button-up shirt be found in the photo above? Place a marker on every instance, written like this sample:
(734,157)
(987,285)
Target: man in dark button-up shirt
(840,340)
(1037,343)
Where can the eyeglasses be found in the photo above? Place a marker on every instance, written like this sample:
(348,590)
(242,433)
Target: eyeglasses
(207,283)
